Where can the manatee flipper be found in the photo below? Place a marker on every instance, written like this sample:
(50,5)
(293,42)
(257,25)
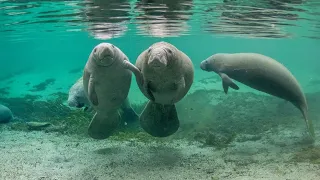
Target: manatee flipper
(159,120)
(227,82)
(177,87)
(92,92)
(137,72)
(129,114)
(139,78)
(148,90)
(103,125)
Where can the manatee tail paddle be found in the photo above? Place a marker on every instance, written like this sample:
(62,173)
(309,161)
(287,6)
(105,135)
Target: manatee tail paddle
(103,125)
(159,120)
(308,122)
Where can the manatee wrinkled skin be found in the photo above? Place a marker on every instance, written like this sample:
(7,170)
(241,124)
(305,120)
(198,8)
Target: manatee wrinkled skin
(5,114)
(165,75)
(106,83)
(261,73)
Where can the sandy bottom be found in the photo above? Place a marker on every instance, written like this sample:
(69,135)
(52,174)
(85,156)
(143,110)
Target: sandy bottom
(39,155)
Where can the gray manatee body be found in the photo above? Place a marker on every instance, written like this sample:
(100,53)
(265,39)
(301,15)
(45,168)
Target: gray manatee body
(106,84)
(5,114)
(261,73)
(165,75)
(78,99)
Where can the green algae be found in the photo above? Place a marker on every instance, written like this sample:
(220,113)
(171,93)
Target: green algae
(309,154)
(208,116)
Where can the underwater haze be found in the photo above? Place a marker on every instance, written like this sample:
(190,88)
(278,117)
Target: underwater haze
(242,134)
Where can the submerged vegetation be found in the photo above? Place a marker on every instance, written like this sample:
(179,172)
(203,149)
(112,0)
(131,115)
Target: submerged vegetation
(309,154)
(209,117)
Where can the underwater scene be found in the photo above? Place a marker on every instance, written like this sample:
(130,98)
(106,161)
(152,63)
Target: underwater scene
(160,89)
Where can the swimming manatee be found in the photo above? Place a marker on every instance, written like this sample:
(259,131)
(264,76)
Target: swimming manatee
(261,73)
(78,99)
(106,85)
(164,75)
(5,114)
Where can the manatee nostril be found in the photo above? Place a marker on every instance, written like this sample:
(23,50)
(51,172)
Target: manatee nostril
(155,61)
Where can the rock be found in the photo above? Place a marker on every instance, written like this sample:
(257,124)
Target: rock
(5,114)
(32,125)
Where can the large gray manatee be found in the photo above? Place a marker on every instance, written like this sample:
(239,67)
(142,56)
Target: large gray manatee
(261,73)
(78,99)
(106,84)
(165,75)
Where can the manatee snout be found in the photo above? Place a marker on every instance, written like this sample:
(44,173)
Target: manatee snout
(203,65)
(104,54)
(157,61)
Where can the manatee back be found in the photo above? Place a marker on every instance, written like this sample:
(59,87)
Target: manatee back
(265,74)
(5,114)
(77,94)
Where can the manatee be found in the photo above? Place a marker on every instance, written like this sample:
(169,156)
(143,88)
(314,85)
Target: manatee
(261,73)
(106,84)
(5,114)
(78,99)
(164,75)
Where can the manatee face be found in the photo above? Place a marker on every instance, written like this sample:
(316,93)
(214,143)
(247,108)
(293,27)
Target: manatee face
(160,56)
(212,63)
(104,54)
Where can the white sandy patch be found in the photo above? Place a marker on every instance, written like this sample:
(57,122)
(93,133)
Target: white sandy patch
(38,155)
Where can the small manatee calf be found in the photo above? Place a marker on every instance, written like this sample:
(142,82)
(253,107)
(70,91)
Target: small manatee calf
(261,73)
(5,114)
(78,99)
(106,84)
(164,75)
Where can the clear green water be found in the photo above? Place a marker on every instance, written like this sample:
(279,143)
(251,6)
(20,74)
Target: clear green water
(52,39)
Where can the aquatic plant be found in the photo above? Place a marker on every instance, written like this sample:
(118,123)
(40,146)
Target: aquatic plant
(309,154)
(207,116)
(43,85)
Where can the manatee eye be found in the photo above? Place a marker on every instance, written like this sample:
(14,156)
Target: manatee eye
(149,50)
(169,50)
(95,50)
(112,46)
